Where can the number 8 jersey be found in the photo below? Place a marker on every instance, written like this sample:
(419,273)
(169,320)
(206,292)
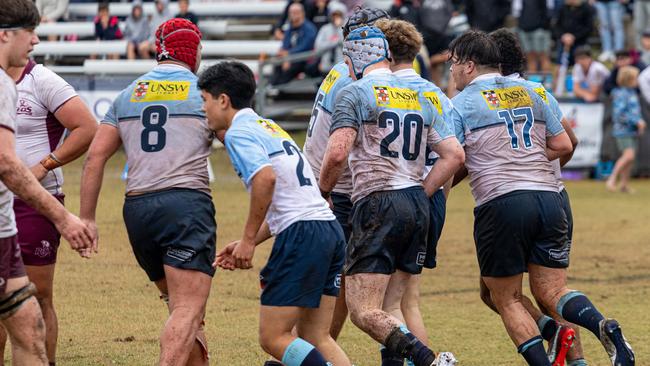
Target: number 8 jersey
(164,131)
(394,124)
(503,124)
(253,143)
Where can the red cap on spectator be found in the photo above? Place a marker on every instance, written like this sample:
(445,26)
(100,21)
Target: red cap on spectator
(178,39)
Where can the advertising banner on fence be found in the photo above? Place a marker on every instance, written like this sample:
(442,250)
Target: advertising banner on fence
(587,122)
(98,101)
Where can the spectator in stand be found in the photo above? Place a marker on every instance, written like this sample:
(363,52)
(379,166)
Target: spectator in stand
(185,13)
(645,46)
(320,13)
(610,20)
(588,76)
(51,11)
(574,24)
(329,35)
(534,29)
(298,38)
(628,126)
(283,25)
(644,84)
(623,58)
(487,15)
(407,10)
(136,31)
(641,20)
(107,27)
(161,15)
(434,20)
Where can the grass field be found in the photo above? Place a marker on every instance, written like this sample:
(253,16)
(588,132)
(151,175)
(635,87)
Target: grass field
(109,314)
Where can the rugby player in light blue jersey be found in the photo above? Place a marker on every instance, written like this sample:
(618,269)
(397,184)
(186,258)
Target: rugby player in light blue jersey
(405,43)
(168,209)
(562,344)
(384,128)
(511,136)
(316,143)
(301,280)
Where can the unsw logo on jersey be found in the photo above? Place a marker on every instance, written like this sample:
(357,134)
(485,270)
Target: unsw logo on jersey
(399,98)
(435,100)
(273,128)
(541,91)
(507,98)
(329,81)
(156,91)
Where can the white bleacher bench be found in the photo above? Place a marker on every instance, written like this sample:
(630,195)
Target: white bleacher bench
(213,28)
(210,48)
(80,48)
(139,67)
(211,9)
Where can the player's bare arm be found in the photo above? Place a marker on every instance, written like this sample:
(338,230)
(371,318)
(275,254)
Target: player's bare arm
(558,146)
(336,157)
(76,118)
(104,145)
(262,187)
(18,179)
(574,142)
(452,158)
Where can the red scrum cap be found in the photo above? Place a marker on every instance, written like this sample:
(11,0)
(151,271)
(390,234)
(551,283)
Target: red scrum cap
(178,39)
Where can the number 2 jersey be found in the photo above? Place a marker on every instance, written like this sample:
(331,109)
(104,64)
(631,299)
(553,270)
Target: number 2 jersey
(164,131)
(254,143)
(395,123)
(503,124)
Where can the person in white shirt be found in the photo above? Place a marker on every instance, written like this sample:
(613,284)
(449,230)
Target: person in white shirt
(47,107)
(588,76)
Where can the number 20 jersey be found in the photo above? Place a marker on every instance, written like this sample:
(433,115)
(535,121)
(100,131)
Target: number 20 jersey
(254,143)
(395,124)
(503,124)
(164,131)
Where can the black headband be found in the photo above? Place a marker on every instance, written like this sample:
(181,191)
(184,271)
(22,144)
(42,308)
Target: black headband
(16,26)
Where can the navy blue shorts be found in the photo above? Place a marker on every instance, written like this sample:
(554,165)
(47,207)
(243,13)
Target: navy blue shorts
(174,227)
(566,204)
(519,228)
(304,265)
(438,210)
(389,232)
(342,209)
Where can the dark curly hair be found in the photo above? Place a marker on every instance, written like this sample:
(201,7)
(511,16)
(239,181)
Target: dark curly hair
(513,58)
(475,46)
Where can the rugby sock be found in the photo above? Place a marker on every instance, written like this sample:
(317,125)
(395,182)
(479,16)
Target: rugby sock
(389,358)
(578,362)
(576,308)
(547,326)
(533,352)
(405,344)
(272,363)
(302,353)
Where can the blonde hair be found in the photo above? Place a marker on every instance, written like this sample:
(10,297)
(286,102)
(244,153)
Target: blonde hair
(627,75)
(403,38)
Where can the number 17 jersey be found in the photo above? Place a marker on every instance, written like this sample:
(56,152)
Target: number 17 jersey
(164,131)
(503,124)
(395,124)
